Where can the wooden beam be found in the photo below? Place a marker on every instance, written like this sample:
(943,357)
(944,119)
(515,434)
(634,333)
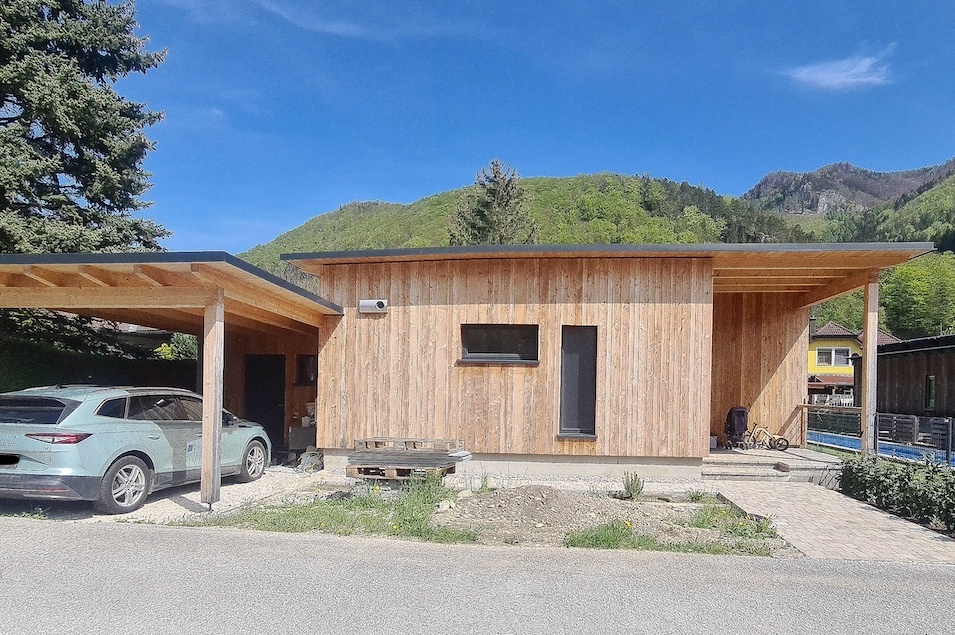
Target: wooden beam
(750,288)
(870,342)
(103,298)
(174,320)
(270,301)
(251,316)
(34,273)
(9,279)
(213,365)
(762,272)
(840,287)
(112,277)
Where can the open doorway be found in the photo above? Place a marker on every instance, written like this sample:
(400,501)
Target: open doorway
(265,394)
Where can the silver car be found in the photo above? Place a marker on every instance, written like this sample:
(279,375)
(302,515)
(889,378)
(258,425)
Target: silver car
(114,445)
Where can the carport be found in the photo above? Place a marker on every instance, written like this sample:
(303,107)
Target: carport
(207,294)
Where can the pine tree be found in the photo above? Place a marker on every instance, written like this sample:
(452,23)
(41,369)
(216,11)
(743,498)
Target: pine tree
(493,211)
(71,148)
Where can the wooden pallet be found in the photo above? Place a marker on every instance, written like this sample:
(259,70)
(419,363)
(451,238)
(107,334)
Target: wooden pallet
(389,458)
(397,473)
(446,445)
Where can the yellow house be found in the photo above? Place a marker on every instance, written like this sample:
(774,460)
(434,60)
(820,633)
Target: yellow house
(831,348)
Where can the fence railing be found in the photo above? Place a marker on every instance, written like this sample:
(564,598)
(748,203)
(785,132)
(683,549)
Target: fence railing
(900,435)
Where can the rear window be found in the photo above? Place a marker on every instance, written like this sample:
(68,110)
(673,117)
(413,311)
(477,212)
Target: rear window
(35,410)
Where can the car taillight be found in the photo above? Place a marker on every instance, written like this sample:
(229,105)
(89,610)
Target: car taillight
(59,437)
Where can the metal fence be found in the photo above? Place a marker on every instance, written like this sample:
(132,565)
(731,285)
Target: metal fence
(900,435)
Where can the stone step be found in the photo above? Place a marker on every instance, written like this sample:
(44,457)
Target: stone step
(743,473)
(740,462)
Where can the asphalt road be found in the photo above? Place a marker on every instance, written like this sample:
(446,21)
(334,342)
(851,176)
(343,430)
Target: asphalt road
(105,578)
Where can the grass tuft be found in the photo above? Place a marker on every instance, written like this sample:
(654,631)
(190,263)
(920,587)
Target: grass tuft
(632,484)
(620,535)
(406,514)
(729,520)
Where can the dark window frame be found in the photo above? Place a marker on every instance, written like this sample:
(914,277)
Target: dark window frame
(514,344)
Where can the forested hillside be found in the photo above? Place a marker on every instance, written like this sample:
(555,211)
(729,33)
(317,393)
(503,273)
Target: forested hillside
(597,208)
(918,298)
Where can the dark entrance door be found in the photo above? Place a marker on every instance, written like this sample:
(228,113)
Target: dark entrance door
(578,379)
(265,394)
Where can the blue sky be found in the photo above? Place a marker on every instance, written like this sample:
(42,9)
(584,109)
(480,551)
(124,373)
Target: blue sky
(276,110)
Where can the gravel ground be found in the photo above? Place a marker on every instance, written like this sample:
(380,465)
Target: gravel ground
(541,516)
(182,503)
(538,514)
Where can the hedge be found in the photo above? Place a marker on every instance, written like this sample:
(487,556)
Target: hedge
(24,364)
(923,492)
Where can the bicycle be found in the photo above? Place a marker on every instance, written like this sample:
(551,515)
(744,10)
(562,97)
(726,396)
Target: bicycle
(761,437)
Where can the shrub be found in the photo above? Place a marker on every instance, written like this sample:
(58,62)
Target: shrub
(632,484)
(923,492)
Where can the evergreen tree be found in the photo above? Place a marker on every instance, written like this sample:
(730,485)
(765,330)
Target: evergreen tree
(493,212)
(71,148)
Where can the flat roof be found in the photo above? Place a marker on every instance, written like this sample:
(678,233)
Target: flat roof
(165,290)
(818,271)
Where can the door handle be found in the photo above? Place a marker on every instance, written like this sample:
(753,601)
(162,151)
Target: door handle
(152,436)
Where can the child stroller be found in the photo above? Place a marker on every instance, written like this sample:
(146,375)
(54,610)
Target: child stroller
(737,424)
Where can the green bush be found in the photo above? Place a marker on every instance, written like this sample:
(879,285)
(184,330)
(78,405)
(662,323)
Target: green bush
(923,492)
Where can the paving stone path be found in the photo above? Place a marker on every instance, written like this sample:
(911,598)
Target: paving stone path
(822,523)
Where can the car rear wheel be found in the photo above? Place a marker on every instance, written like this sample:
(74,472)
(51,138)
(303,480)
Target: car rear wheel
(253,462)
(125,486)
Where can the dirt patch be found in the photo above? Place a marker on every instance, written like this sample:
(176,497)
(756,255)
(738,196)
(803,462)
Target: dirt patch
(541,516)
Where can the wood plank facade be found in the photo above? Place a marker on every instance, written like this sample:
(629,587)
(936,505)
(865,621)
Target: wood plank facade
(910,370)
(760,343)
(400,374)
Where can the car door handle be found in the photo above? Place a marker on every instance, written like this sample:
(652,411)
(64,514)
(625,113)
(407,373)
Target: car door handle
(152,436)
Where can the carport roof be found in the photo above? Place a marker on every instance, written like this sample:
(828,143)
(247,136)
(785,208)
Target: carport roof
(167,290)
(814,271)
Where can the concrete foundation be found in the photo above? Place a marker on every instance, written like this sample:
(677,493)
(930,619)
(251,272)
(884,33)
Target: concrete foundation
(501,468)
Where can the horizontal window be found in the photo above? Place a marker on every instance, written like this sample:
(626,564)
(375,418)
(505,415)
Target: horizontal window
(499,343)
(833,357)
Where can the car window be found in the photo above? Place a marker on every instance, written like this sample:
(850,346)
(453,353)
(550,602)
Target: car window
(115,408)
(155,408)
(192,408)
(34,409)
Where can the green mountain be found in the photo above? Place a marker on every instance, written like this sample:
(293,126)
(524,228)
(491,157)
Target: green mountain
(838,203)
(586,209)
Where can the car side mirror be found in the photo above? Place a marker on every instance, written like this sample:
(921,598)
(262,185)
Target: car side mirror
(228,418)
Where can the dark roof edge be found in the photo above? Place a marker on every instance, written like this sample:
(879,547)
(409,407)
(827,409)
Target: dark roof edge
(164,257)
(675,249)
(935,342)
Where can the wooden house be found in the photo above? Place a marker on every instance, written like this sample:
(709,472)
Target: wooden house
(599,358)
(831,372)
(917,377)
(591,358)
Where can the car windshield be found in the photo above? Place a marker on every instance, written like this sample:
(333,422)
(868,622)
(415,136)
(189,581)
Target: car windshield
(42,410)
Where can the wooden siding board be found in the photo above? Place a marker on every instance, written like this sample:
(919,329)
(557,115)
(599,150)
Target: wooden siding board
(759,357)
(652,365)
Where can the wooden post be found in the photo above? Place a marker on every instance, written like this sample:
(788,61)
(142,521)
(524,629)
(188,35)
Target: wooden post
(213,345)
(870,342)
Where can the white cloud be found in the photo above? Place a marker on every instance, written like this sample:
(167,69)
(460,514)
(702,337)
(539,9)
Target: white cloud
(846,74)
(380,23)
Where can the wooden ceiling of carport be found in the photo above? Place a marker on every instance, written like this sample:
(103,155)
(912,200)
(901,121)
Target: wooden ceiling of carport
(165,291)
